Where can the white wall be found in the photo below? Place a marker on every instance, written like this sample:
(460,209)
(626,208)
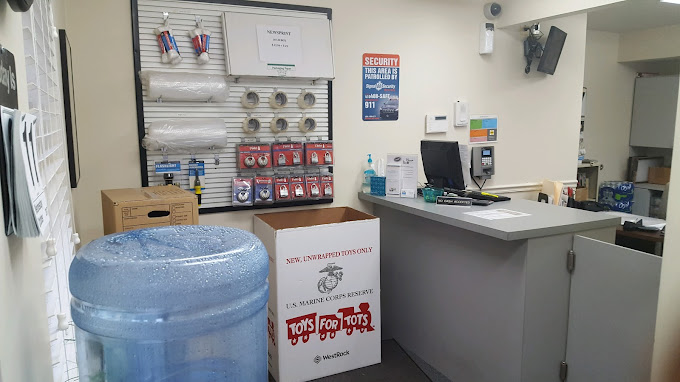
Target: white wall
(650,44)
(666,360)
(25,351)
(438,44)
(608,105)
(519,12)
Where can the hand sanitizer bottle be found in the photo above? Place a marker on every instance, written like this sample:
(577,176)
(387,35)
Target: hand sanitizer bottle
(368,173)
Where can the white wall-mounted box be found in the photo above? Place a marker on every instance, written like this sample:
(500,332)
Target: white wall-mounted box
(278,43)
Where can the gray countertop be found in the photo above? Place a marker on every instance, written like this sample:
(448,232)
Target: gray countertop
(544,219)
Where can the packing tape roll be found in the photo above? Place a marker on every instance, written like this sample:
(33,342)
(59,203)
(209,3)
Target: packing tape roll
(307,124)
(279,125)
(278,100)
(250,99)
(306,100)
(251,125)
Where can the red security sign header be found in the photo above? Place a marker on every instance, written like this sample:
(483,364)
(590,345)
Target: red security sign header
(371,59)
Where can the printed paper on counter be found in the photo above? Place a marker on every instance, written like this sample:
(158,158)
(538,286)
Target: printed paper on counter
(497,214)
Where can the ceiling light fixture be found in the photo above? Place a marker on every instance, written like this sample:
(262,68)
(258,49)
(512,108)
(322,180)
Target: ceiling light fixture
(671,1)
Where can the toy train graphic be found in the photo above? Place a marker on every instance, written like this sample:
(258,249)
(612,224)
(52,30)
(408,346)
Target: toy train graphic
(328,325)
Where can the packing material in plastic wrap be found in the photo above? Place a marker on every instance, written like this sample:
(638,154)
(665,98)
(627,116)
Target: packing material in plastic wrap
(200,37)
(186,135)
(618,196)
(166,41)
(183,86)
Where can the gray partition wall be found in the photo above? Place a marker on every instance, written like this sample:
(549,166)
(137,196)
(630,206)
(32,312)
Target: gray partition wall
(612,312)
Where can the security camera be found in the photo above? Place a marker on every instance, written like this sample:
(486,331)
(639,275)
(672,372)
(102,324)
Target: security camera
(492,10)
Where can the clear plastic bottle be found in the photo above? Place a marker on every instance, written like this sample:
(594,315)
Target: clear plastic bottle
(368,173)
(171,304)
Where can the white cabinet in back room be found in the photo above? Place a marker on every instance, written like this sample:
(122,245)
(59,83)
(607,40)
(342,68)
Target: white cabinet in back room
(654,111)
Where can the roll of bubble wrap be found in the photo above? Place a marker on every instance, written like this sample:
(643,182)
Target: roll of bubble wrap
(186,135)
(184,86)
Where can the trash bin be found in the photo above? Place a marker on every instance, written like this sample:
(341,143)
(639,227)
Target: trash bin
(178,303)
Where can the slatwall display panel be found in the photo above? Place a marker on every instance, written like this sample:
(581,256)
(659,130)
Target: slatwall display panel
(45,102)
(217,195)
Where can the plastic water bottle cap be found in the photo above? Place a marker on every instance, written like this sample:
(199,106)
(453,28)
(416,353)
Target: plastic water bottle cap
(62,322)
(51,249)
(369,159)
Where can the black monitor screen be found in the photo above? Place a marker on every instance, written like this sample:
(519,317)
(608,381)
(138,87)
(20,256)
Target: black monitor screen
(441,162)
(552,50)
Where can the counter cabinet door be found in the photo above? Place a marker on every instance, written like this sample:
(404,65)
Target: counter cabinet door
(612,312)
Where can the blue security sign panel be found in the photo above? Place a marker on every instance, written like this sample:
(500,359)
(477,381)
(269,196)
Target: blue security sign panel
(381,87)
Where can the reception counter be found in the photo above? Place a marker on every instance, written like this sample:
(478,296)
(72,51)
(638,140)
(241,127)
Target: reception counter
(478,299)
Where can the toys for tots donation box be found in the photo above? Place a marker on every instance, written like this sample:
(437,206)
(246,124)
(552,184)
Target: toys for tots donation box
(324,296)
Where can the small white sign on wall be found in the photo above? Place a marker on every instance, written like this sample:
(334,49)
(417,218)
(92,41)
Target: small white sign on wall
(278,44)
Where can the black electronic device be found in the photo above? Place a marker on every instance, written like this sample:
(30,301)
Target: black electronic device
(441,162)
(480,202)
(552,50)
(482,162)
(20,5)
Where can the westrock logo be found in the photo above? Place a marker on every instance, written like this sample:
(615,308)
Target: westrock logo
(380,86)
(326,357)
(327,283)
(328,325)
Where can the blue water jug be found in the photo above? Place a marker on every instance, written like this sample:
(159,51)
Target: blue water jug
(178,303)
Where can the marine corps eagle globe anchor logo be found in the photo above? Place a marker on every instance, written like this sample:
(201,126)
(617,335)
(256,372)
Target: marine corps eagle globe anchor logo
(327,283)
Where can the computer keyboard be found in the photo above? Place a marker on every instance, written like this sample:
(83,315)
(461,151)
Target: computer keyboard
(479,195)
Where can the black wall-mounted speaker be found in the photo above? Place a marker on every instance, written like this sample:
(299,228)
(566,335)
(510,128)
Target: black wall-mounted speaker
(20,5)
(552,50)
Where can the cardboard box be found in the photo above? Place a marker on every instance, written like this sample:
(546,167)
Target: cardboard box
(581,194)
(324,291)
(659,175)
(133,208)
(638,168)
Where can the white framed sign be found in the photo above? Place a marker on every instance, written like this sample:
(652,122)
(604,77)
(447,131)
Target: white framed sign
(279,44)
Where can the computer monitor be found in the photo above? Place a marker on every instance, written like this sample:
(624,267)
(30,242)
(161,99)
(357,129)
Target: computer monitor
(441,162)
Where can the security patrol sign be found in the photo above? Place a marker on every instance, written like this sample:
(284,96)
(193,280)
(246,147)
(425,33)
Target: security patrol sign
(381,87)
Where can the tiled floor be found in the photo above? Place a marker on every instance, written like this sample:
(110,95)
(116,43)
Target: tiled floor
(396,366)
